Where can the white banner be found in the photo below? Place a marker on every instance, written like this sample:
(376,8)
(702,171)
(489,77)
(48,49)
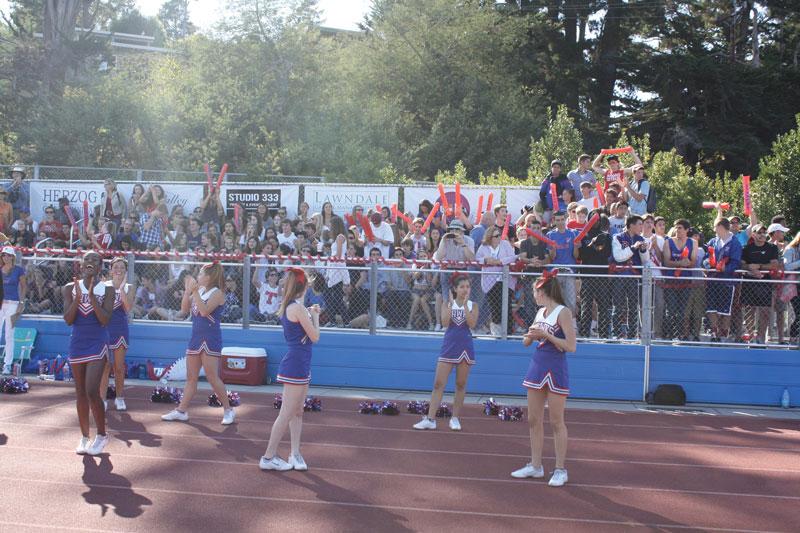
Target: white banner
(188,195)
(250,196)
(345,197)
(46,193)
(519,197)
(412,196)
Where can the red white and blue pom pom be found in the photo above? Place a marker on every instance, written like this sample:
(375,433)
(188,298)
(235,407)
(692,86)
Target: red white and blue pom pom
(14,385)
(512,414)
(312,403)
(490,407)
(111,392)
(233,399)
(418,408)
(369,408)
(378,408)
(444,411)
(166,395)
(389,408)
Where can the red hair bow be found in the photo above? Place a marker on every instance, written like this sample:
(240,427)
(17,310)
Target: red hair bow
(455,277)
(299,273)
(545,277)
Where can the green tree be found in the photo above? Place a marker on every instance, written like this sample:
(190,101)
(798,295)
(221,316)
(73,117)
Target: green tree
(135,23)
(174,16)
(777,189)
(560,140)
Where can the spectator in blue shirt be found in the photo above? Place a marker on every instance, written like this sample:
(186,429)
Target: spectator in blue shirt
(564,253)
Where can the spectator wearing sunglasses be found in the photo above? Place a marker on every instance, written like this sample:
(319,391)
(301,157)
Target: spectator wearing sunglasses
(52,228)
(758,257)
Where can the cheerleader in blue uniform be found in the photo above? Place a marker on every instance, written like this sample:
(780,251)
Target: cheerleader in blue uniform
(301,330)
(459,317)
(205,297)
(547,379)
(88,304)
(118,335)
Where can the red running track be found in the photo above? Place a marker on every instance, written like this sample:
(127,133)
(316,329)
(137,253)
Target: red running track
(374,473)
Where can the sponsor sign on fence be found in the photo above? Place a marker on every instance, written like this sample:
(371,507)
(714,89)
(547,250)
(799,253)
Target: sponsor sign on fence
(251,196)
(346,196)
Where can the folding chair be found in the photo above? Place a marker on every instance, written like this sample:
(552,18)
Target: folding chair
(24,338)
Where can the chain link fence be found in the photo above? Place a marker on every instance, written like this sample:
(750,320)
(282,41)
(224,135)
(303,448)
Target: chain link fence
(652,306)
(61,173)
(742,309)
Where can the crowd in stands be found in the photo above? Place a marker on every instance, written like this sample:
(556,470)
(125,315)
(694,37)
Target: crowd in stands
(691,297)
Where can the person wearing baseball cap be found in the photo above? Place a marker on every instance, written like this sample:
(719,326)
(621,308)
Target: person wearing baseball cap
(13,297)
(777,236)
(454,246)
(777,233)
(759,257)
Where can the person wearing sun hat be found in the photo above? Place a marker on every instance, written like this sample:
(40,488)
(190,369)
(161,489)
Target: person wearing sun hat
(19,192)
(13,297)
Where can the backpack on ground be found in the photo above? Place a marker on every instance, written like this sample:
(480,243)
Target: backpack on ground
(667,395)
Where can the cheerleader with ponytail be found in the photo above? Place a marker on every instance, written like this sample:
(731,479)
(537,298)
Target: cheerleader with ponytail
(205,297)
(118,334)
(547,379)
(301,330)
(458,317)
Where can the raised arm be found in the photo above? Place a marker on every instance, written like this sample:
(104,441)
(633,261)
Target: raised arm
(597,164)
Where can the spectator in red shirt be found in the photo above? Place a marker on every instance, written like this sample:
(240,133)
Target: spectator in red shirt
(50,226)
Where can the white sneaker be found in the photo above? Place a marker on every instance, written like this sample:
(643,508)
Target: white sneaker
(438,327)
(528,471)
(559,477)
(6,369)
(105,405)
(119,403)
(298,463)
(175,415)
(228,417)
(83,446)
(495,330)
(97,446)
(455,425)
(425,423)
(276,463)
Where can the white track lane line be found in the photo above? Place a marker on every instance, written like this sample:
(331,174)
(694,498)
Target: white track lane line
(792,450)
(728,431)
(503,480)
(628,523)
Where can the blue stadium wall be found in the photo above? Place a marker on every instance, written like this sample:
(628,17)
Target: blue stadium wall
(406,362)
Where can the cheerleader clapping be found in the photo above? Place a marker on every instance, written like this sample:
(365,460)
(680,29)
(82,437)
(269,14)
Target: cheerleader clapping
(205,298)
